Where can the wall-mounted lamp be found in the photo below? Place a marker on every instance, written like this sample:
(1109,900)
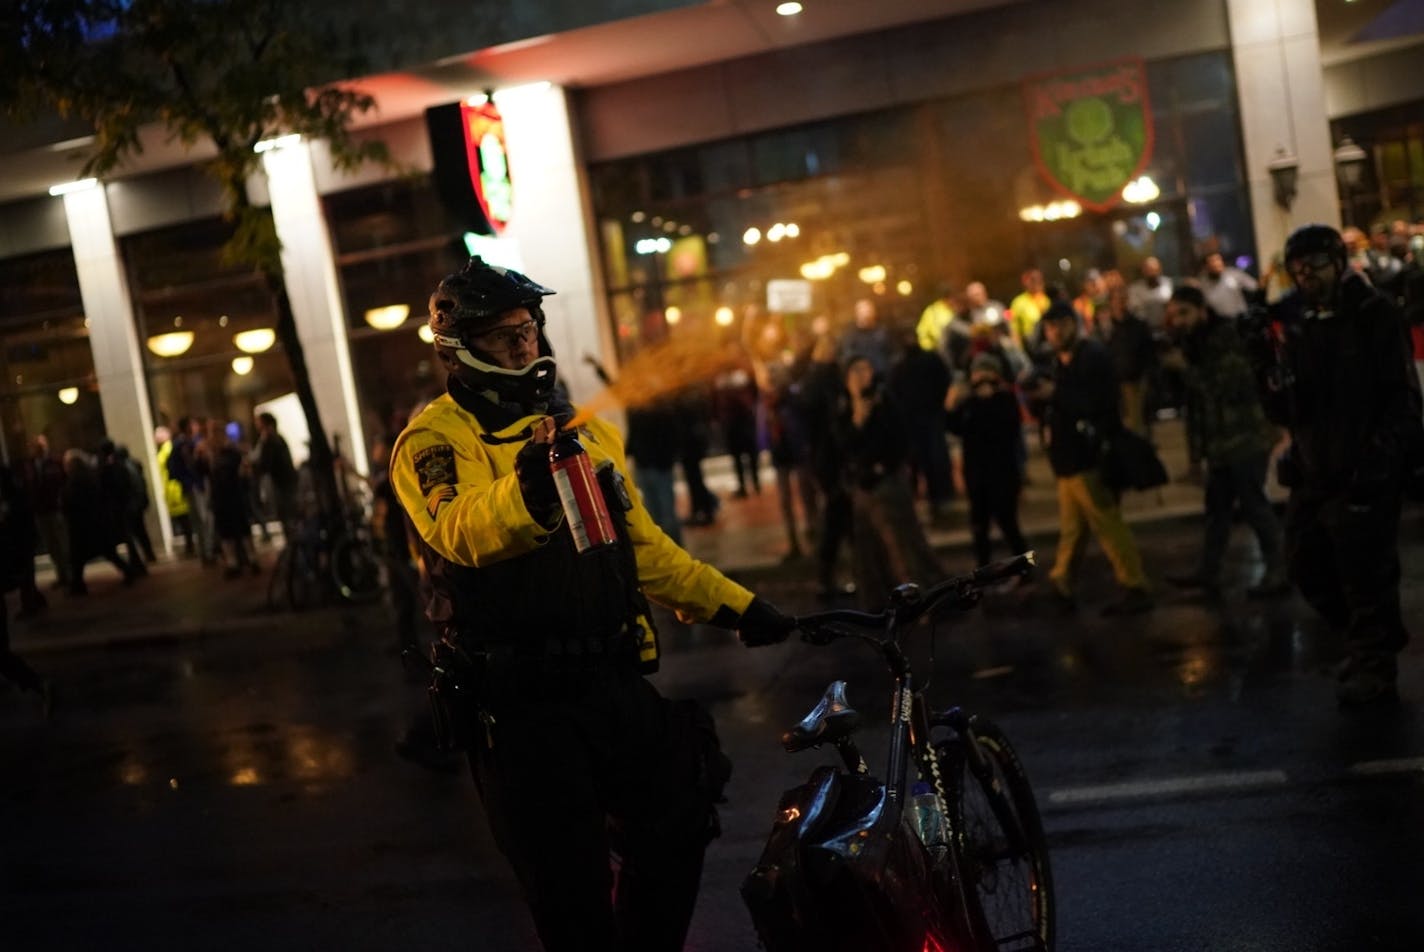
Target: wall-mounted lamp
(1350,162)
(1283,168)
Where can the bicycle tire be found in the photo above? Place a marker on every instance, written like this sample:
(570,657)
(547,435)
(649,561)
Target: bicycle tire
(355,570)
(1013,887)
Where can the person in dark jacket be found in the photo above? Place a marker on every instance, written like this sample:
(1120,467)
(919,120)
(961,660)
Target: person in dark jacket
(117,487)
(823,392)
(228,493)
(920,382)
(888,544)
(17,562)
(138,502)
(1081,412)
(985,416)
(1129,343)
(1228,429)
(94,525)
(1337,374)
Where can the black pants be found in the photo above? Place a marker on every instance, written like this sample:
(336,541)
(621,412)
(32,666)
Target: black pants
(12,666)
(77,561)
(1228,483)
(138,530)
(703,502)
(593,765)
(836,522)
(995,501)
(1346,564)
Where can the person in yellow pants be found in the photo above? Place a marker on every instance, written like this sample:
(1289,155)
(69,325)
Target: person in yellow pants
(1086,504)
(1080,404)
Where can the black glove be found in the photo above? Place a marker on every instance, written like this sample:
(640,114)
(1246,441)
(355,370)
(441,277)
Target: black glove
(761,624)
(536,483)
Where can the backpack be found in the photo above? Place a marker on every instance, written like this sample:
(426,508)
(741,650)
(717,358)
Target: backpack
(1129,461)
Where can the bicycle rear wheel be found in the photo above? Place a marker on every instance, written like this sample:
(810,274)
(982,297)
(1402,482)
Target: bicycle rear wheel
(356,570)
(1009,875)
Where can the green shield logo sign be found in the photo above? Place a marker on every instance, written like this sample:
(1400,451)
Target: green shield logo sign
(1091,130)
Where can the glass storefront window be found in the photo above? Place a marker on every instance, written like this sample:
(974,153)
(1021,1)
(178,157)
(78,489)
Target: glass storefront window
(834,192)
(393,243)
(182,286)
(47,382)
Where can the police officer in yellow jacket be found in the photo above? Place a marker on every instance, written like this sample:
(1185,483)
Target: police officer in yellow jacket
(575,753)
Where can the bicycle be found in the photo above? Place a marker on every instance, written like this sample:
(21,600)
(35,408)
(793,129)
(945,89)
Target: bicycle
(848,866)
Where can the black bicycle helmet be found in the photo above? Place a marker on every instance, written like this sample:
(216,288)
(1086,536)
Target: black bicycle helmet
(470,301)
(1314,240)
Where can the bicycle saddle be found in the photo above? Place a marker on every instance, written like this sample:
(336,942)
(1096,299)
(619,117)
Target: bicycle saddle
(832,719)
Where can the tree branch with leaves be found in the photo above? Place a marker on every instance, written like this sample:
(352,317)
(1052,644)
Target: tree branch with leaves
(225,74)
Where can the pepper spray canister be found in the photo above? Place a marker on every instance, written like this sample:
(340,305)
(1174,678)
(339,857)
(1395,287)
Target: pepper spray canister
(585,509)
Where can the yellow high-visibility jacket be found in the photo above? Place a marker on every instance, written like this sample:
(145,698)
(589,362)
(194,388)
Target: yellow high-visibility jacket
(457,482)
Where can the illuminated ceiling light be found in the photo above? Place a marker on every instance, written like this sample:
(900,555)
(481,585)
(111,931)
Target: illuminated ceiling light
(840,259)
(242,366)
(80,185)
(724,317)
(1140,190)
(639,217)
(222,321)
(280,142)
(388,318)
(68,395)
(713,238)
(171,344)
(685,230)
(1154,220)
(672,314)
(255,341)
(818,270)
(792,229)
(669,226)
(776,232)
(788,9)
(751,236)
(904,287)
(873,274)
(657,221)
(426,334)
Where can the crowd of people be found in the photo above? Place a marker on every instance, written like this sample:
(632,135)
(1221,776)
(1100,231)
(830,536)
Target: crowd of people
(849,419)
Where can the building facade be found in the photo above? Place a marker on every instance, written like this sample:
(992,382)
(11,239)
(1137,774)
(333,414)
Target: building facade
(671,161)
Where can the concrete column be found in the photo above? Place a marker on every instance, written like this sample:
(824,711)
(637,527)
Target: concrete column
(310,269)
(1281,87)
(113,336)
(552,224)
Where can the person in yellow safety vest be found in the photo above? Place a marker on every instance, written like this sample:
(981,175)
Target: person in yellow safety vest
(1027,308)
(576,755)
(935,318)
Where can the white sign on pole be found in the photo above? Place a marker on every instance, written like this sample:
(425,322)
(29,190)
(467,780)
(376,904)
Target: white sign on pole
(788,296)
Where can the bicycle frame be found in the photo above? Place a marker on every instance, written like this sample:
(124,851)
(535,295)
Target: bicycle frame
(842,865)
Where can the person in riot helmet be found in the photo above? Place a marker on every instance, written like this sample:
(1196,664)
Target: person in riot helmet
(1332,365)
(574,752)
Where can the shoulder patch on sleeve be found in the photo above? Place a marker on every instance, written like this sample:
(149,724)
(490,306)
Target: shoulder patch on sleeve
(435,466)
(439,497)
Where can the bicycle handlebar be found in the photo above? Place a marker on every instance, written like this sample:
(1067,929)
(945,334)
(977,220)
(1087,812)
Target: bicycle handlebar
(910,604)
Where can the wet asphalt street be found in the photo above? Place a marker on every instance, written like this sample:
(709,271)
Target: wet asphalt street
(239,790)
